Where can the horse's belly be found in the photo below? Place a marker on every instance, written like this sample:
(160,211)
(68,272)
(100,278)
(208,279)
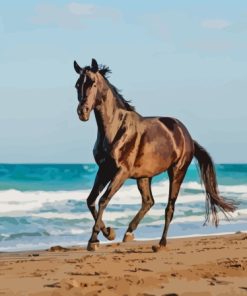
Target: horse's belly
(151,164)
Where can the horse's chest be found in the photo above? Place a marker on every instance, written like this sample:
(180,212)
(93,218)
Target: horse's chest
(98,152)
(101,150)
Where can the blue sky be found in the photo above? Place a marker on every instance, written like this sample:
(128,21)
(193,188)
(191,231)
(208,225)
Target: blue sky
(185,59)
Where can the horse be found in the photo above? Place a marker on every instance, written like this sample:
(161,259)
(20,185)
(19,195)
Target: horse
(129,145)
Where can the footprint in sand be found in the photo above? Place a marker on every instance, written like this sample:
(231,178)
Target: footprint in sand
(139,269)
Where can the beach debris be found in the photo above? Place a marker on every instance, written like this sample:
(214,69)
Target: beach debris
(33,255)
(75,273)
(244,288)
(58,249)
(53,285)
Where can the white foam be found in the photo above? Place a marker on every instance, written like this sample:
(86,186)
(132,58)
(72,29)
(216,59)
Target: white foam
(127,195)
(108,216)
(70,231)
(156,214)
(237,217)
(13,202)
(233,188)
(222,188)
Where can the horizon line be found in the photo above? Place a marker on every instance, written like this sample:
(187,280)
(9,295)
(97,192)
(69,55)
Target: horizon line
(82,163)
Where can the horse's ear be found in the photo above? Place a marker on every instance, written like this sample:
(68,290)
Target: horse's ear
(94,66)
(78,69)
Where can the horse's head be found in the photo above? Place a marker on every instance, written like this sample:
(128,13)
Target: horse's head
(87,89)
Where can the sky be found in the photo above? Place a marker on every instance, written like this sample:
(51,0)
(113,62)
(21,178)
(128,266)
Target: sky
(185,59)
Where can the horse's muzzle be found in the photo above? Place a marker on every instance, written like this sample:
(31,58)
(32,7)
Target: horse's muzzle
(84,118)
(83,113)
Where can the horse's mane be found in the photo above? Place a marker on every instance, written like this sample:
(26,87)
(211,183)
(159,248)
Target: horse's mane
(104,71)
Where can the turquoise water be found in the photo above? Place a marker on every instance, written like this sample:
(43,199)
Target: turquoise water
(53,177)
(45,204)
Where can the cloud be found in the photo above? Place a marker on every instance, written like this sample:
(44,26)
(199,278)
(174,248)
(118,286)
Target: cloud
(89,10)
(216,24)
(212,45)
(82,9)
(72,15)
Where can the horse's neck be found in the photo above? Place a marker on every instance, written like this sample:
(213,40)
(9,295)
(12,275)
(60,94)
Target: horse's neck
(107,117)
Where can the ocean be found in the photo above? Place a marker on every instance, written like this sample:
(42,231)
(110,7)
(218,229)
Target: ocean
(42,205)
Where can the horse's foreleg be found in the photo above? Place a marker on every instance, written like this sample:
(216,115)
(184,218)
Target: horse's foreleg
(144,186)
(99,184)
(116,182)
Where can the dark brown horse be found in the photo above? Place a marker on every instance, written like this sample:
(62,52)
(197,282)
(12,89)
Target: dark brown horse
(129,145)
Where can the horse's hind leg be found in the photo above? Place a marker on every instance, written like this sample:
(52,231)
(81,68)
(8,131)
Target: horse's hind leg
(176,176)
(144,186)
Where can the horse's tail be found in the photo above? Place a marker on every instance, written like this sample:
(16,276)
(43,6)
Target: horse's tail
(213,200)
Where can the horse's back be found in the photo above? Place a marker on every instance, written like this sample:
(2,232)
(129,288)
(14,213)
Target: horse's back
(164,141)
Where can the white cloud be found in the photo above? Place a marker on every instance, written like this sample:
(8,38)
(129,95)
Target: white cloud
(211,45)
(89,10)
(217,24)
(82,9)
(72,15)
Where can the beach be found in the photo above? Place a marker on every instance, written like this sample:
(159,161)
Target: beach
(207,265)
(44,205)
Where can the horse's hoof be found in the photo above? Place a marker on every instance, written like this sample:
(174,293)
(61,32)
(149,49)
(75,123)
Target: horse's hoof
(92,246)
(128,237)
(158,248)
(111,233)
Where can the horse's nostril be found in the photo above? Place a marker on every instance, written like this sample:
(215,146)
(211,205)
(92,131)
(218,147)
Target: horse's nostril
(86,109)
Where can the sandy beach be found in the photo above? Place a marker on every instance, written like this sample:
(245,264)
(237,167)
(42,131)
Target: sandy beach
(212,265)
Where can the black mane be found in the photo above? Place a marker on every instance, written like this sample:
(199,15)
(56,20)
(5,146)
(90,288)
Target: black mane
(104,71)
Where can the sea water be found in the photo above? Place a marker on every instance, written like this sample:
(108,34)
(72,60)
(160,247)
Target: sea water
(42,205)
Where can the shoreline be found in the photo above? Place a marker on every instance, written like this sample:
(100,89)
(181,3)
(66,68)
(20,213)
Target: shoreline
(202,265)
(140,240)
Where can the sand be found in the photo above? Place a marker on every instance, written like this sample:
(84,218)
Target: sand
(212,265)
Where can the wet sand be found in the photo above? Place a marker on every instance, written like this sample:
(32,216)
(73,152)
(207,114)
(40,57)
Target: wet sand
(212,265)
